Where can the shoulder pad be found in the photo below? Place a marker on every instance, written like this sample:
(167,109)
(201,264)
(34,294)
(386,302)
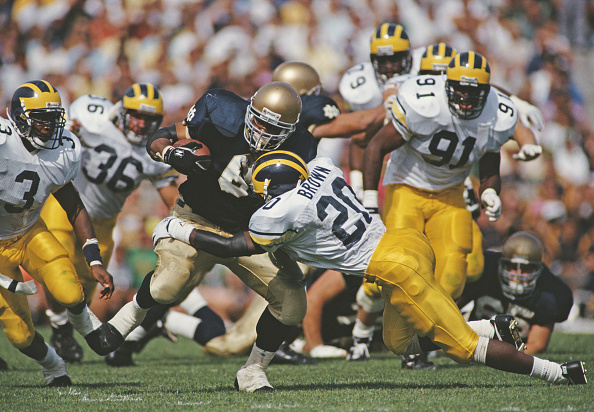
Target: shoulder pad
(91,111)
(507,113)
(359,88)
(416,105)
(221,108)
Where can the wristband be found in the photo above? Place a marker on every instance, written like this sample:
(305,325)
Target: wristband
(92,253)
(370,199)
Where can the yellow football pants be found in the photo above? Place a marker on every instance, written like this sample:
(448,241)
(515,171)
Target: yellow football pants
(46,260)
(57,222)
(403,265)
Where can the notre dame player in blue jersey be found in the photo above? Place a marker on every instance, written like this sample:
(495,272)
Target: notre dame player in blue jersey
(517,282)
(217,198)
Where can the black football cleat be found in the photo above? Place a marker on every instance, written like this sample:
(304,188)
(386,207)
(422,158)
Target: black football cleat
(574,372)
(287,356)
(420,361)
(122,356)
(506,330)
(62,340)
(60,382)
(105,339)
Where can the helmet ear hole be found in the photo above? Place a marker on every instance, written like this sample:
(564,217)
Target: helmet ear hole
(277,172)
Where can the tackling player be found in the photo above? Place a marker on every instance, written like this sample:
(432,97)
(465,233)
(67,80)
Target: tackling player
(313,216)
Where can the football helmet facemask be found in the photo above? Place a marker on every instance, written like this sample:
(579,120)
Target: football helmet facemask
(304,78)
(141,112)
(436,58)
(468,84)
(390,52)
(277,172)
(272,116)
(37,114)
(520,265)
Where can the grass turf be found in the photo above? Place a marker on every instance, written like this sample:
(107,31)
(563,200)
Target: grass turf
(170,377)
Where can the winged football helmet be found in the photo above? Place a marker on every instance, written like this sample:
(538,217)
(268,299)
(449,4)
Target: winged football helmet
(277,172)
(37,114)
(436,58)
(141,112)
(390,52)
(272,116)
(304,78)
(520,265)
(468,84)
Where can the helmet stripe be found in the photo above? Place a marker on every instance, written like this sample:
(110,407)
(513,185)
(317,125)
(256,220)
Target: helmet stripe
(143,89)
(391,30)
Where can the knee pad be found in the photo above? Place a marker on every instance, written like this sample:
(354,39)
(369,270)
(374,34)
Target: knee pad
(287,300)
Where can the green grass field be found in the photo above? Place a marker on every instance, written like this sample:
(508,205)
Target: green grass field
(170,377)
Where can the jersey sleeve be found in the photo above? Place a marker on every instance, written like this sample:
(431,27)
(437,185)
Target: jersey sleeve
(359,89)
(91,112)
(219,108)
(318,110)
(507,117)
(271,226)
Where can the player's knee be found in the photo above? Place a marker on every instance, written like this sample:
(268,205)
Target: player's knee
(165,291)
(20,340)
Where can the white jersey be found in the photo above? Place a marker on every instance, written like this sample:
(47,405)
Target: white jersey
(320,223)
(112,167)
(27,180)
(441,148)
(359,87)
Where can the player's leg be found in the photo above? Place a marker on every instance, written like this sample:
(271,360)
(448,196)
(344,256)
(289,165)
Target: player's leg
(475,260)
(370,307)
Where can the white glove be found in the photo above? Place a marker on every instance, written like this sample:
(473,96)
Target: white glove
(529,115)
(492,204)
(172,227)
(528,152)
(16,287)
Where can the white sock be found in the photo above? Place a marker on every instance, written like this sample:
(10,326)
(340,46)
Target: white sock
(128,317)
(57,319)
(51,358)
(259,358)
(193,302)
(480,353)
(181,324)
(136,334)
(52,365)
(547,371)
(84,322)
(362,331)
(483,328)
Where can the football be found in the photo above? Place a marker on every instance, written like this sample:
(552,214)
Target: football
(198,148)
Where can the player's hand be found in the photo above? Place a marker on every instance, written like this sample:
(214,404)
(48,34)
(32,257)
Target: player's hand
(172,227)
(528,152)
(183,159)
(529,115)
(75,126)
(105,280)
(492,204)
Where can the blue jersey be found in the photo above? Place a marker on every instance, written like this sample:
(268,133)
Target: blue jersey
(218,120)
(317,110)
(550,303)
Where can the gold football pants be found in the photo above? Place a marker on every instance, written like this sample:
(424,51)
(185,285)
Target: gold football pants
(443,218)
(57,222)
(45,259)
(402,265)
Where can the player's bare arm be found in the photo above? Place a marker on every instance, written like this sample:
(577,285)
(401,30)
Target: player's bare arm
(386,140)
(72,204)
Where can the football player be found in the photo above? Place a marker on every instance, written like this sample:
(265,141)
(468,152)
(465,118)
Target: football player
(39,158)
(218,198)
(517,282)
(115,162)
(313,216)
(322,117)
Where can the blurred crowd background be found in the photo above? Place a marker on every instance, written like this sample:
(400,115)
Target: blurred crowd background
(540,50)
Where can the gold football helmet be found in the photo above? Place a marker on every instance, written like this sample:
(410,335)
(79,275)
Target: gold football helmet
(277,172)
(436,58)
(37,114)
(142,112)
(520,265)
(304,78)
(272,116)
(468,84)
(390,52)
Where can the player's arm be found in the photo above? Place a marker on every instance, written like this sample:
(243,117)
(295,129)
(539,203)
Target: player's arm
(182,158)
(348,124)
(72,204)
(538,338)
(386,140)
(241,244)
(490,186)
(529,147)
(164,138)
(169,194)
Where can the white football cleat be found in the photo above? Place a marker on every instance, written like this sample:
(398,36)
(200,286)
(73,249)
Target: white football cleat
(252,379)
(327,351)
